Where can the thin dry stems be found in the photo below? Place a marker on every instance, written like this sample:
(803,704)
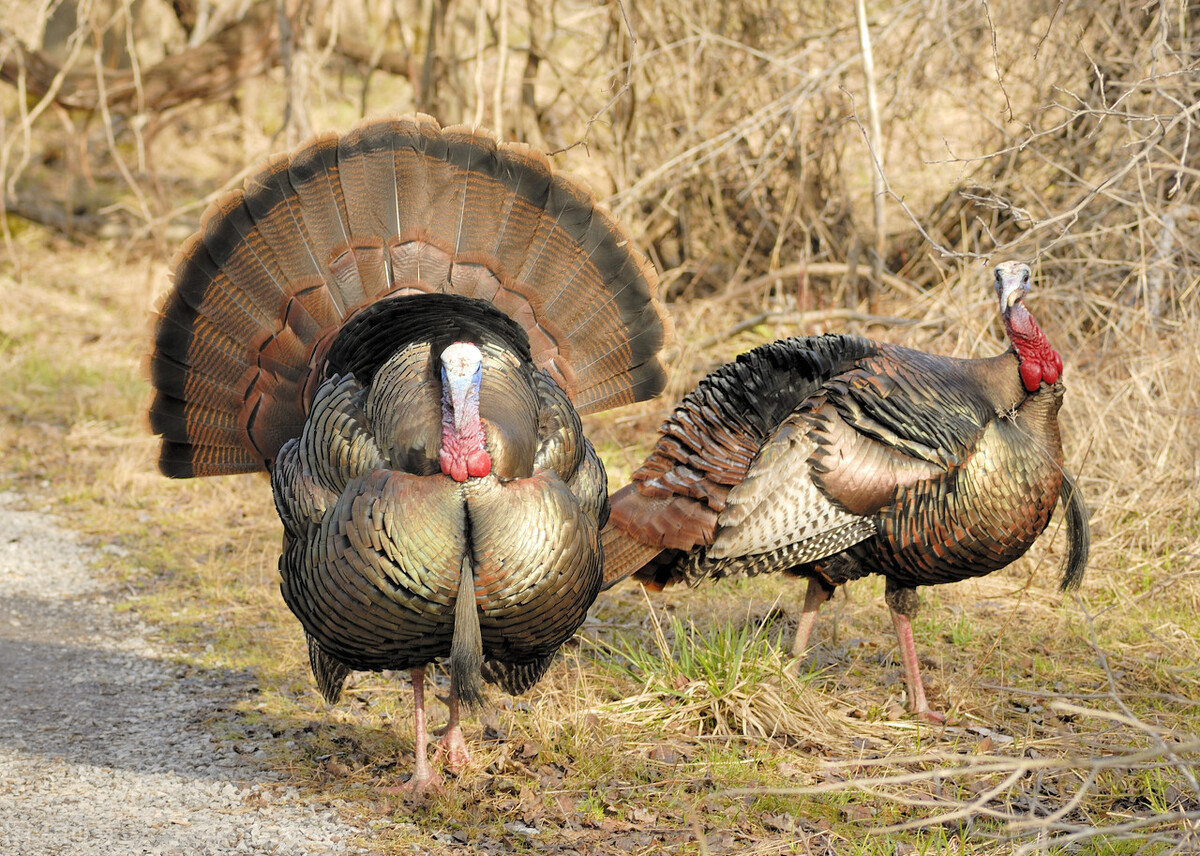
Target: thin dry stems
(740,193)
(920,780)
(873,142)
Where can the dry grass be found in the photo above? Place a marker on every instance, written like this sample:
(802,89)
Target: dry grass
(731,138)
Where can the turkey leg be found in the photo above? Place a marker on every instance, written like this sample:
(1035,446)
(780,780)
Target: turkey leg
(423,777)
(912,670)
(816,594)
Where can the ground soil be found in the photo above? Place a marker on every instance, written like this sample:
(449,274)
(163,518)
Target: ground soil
(108,746)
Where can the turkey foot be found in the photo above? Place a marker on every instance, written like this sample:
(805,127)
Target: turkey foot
(912,671)
(419,785)
(453,747)
(424,780)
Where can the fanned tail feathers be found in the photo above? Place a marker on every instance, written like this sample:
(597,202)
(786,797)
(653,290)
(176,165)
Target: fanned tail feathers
(396,206)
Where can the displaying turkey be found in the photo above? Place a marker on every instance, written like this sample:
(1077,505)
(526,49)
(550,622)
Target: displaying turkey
(833,457)
(402,325)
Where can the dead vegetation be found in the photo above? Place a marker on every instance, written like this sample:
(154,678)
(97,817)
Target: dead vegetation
(736,140)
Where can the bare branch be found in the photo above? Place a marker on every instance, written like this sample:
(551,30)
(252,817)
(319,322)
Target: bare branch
(873,146)
(207,72)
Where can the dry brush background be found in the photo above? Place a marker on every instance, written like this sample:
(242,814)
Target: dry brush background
(780,188)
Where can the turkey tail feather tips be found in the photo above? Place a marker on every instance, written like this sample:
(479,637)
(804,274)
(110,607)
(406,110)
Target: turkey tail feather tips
(393,206)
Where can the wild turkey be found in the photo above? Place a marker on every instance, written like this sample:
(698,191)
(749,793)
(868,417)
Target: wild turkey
(402,325)
(833,457)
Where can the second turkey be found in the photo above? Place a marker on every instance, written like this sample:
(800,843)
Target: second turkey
(834,457)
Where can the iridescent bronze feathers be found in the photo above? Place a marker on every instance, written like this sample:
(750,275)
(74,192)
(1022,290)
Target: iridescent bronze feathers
(402,324)
(392,207)
(833,457)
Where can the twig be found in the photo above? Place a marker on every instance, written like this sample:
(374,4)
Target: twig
(501,67)
(804,319)
(480,43)
(1077,697)
(996,60)
(212,70)
(1127,717)
(111,139)
(626,85)
(829,269)
(977,766)
(920,227)
(873,146)
(1053,17)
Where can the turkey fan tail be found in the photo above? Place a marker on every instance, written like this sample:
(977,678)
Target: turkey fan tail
(393,206)
(466,646)
(624,555)
(1079,533)
(272,271)
(538,246)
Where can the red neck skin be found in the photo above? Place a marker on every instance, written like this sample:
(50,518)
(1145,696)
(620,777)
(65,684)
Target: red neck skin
(463,453)
(1039,363)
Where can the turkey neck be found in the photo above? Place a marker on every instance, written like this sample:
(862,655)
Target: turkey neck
(1040,363)
(463,453)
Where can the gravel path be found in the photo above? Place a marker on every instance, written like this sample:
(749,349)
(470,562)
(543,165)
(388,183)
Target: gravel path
(104,749)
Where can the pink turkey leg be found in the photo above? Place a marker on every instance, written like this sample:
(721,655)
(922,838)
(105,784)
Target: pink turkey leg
(912,671)
(814,596)
(423,777)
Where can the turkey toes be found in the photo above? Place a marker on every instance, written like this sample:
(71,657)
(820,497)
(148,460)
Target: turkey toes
(452,750)
(417,786)
(934,717)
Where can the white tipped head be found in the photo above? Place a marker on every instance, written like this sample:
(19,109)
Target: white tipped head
(1012,283)
(462,359)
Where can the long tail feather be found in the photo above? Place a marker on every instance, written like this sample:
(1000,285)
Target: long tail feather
(466,647)
(1079,533)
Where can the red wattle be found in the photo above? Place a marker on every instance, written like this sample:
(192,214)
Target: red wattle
(1031,375)
(479,463)
(1039,362)
(461,464)
(452,465)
